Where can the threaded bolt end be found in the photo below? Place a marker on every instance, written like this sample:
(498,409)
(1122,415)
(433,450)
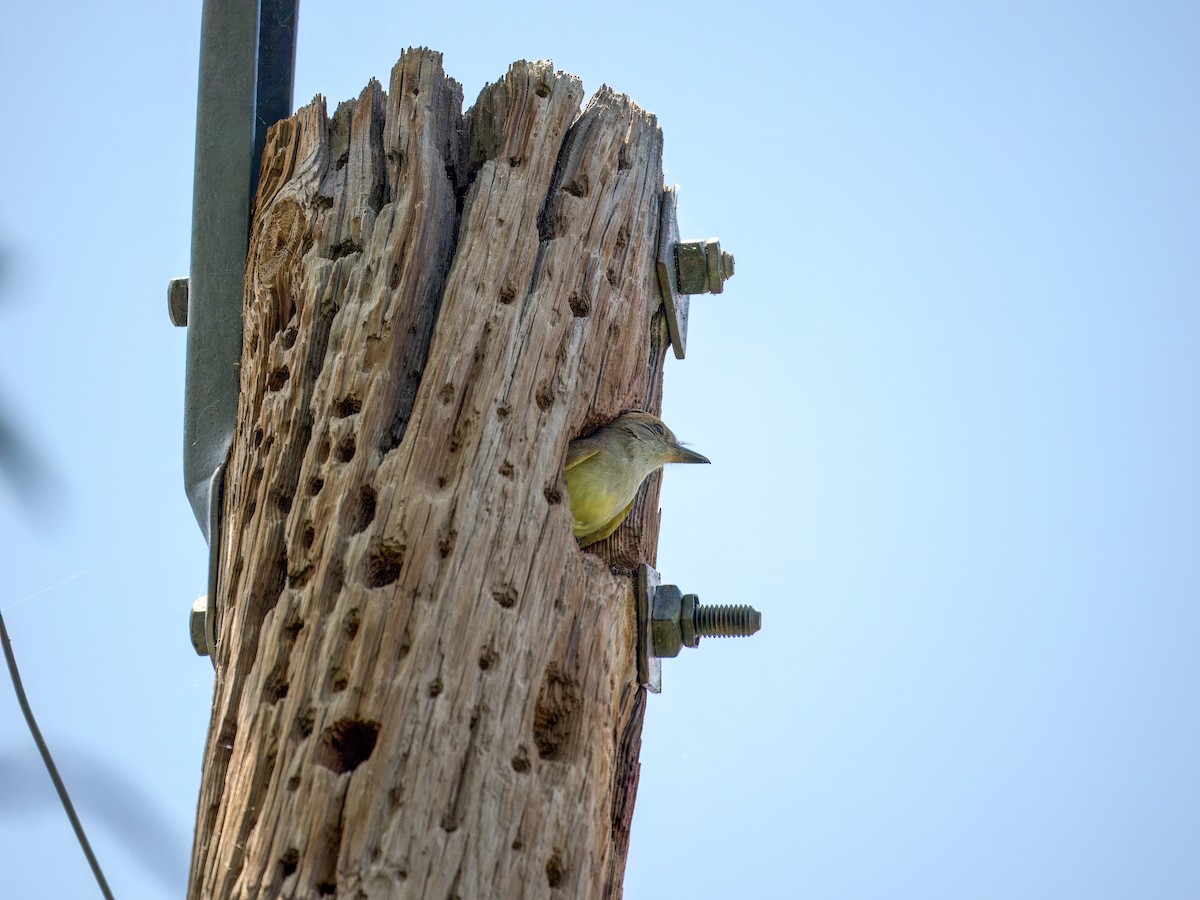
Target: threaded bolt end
(727,621)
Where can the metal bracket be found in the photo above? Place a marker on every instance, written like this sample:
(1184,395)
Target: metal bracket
(685,268)
(649,666)
(668,275)
(247,69)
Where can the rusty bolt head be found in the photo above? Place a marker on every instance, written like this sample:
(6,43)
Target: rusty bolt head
(666,638)
(199,614)
(177,301)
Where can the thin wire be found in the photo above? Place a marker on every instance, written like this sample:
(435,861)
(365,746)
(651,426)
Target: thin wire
(49,761)
(44,590)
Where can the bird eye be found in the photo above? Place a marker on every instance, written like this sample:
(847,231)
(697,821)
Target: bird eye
(659,430)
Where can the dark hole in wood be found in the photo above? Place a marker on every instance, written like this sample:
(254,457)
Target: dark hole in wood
(555,873)
(347,448)
(278,378)
(347,744)
(289,861)
(580,306)
(348,406)
(384,565)
(364,511)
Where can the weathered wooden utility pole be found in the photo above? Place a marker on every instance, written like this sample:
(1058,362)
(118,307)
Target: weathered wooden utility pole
(424,687)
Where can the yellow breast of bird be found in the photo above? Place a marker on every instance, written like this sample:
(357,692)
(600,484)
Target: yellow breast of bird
(593,502)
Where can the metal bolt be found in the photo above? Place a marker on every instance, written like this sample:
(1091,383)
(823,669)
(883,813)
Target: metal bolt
(177,301)
(678,620)
(198,629)
(726,621)
(702,266)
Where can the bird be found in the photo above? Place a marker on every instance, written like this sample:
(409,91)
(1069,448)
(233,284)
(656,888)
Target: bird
(604,470)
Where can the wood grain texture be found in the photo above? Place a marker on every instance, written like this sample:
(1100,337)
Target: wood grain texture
(425,688)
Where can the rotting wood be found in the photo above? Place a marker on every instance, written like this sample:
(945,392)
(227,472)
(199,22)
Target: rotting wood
(425,688)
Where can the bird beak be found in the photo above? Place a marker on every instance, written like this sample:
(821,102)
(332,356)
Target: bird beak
(684,455)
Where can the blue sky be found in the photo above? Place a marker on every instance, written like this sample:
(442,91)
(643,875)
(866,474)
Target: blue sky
(950,399)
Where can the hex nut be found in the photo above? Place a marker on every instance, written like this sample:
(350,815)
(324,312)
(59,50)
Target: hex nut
(719,266)
(702,267)
(687,620)
(691,265)
(197,630)
(666,639)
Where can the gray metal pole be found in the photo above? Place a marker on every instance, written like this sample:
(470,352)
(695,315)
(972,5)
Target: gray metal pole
(247,61)
(247,67)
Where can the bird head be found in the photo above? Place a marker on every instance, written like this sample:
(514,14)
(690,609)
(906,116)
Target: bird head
(650,441)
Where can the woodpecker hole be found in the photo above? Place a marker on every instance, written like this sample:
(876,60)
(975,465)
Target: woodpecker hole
(555,713)
(580,306)
(384,565)
(348,406)
(364,511)
(278,378)
(347,744)
(506,596)
(288,862)
(555,873)
(346,448)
